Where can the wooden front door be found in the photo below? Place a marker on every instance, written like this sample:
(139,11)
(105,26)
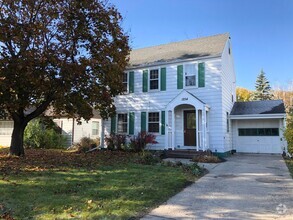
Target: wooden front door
(189,128)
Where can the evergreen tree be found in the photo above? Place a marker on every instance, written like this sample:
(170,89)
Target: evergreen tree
(262,88)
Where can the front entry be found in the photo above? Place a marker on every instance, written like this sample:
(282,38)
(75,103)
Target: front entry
(189,128)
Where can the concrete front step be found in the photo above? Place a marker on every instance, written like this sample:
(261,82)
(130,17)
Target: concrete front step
(188,154)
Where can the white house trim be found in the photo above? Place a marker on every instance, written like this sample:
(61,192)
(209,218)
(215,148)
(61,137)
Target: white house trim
(186,98)
(257,116)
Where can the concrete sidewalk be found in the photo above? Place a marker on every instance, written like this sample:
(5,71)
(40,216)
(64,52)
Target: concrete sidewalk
(247,186)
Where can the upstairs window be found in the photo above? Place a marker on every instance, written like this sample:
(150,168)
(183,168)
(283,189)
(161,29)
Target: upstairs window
(190,75)
(125,82)
(154,79)
(154,122)
(122,123)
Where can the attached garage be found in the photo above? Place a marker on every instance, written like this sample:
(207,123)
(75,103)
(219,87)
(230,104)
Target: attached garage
(257,127)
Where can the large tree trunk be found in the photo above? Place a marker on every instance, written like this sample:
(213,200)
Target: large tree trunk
(16,146)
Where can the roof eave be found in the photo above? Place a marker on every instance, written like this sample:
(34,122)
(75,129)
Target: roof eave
(258,116)
(140,66)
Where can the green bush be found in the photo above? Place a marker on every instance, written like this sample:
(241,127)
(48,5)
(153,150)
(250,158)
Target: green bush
(288,134)
(289,137)
(39,135)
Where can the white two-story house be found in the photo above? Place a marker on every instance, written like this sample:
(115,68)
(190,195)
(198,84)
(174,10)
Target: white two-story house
(184,92)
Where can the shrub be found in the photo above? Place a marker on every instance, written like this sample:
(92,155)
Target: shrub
(148,158)
(141,140)
(116,141)
(288,134)
(39,135)
(85,144)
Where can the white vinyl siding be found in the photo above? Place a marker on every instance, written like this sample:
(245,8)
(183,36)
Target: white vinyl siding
(6,127)
(157,101)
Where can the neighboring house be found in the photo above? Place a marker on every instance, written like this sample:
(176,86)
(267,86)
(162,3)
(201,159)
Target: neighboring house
(6,127)
(183,93)
(74,131)
(71,129)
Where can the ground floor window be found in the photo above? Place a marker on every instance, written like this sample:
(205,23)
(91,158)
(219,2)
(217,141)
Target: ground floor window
(95,128)
(154,122)
(122,123)
(258,131)
(6,127)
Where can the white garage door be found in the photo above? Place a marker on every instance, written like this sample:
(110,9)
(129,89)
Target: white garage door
(257,136)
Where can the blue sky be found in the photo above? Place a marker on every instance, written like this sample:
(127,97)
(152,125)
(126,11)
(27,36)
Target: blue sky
(261,31)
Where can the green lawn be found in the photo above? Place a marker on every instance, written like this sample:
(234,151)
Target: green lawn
(117,189)
(290,165)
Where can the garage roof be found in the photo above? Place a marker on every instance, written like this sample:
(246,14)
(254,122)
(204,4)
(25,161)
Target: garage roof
(258,107)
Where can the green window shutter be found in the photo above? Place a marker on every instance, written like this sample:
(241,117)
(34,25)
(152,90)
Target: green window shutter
(113,124)
(131,123)
(180,77)
(163,79)
(163,122)
(143,121)
(201,75)
(145,81)
(131,82)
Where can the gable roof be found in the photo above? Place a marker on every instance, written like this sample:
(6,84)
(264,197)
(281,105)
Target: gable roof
(258,107)
(188,49)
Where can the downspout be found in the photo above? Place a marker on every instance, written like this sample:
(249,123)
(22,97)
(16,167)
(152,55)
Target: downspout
(102,134)
(72,136)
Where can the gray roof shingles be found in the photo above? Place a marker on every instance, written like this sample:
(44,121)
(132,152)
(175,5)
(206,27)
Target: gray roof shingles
(258,107)
(194,48)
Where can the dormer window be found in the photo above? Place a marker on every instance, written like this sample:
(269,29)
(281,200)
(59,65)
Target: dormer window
(190,75)
(154,79)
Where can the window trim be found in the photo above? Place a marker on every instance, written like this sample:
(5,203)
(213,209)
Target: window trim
(159,122)
(127,124)
(159,80)
(196,75)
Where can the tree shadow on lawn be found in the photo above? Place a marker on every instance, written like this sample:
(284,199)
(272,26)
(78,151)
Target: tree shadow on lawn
(117,192)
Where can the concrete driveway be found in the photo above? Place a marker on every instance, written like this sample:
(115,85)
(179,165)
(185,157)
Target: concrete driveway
(247,186)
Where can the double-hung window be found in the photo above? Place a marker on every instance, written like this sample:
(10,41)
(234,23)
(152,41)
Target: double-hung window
(95,128)
(190,75)
(154,122)
(122,122)
(125,82)
(154,79)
